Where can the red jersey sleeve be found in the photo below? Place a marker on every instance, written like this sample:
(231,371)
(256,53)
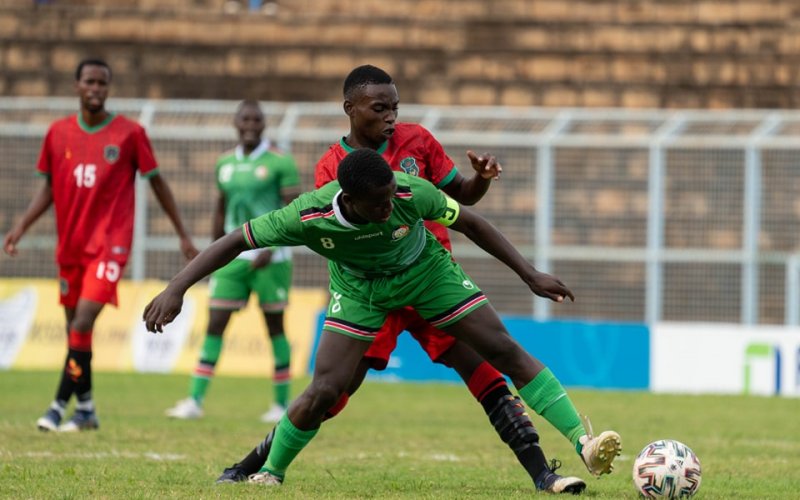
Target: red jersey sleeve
(325,170)
(144,157)
(442,168)
(45,164)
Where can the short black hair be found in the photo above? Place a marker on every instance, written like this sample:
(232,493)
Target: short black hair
(248,103)
(362,76)
(91,62)
(362,171)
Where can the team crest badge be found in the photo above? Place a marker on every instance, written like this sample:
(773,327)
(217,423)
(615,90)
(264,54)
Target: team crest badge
(111,153)
(409,166)
(400,233)
(261,172)
(63,286)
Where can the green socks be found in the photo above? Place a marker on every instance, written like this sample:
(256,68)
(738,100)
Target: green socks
(204,372)
(549,399)
(288,442)
(281,381)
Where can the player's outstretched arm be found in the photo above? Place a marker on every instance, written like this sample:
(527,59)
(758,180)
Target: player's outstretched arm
(166,306)
(470,191)
(167,201)
(40,202)
(486,236)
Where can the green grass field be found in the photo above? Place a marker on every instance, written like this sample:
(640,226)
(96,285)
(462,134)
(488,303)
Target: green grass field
(392,441)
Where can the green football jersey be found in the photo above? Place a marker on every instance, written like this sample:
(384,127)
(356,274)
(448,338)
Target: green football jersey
(252,184)
(366,250)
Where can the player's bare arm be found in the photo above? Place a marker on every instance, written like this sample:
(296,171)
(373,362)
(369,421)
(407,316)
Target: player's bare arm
(166,306)
(39,204)
(486,236)
(167,201)
(470,191)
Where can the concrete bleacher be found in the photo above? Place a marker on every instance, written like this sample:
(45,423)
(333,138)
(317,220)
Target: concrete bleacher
(670,53)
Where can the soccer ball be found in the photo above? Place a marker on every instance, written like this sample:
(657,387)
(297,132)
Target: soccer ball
(666,469)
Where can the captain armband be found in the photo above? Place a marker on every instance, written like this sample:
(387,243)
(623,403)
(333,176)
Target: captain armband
(450,212)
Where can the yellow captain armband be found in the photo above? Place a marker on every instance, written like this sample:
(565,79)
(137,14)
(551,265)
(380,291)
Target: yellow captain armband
(450,213)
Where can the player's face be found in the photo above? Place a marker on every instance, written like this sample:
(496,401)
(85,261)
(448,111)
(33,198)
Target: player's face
(92,87)
(376,206)
(250,123)
(373,112)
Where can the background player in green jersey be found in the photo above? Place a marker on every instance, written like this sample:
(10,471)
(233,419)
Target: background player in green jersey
(253,179)
(369,226)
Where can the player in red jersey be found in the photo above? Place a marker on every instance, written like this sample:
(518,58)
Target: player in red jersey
(89,162)
(371,103)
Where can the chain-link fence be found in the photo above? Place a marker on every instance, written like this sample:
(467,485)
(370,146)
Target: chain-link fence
(646,215)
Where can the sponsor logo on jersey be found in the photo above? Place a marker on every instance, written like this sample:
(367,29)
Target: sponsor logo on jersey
(467,284)
(400,232)
(111,153)
(261,172)
(409,166)
(117,250)
(368,236)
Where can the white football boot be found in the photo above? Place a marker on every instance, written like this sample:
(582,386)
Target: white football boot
(599,452)
(185,409)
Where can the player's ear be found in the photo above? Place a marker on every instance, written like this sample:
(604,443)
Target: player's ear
(348,107)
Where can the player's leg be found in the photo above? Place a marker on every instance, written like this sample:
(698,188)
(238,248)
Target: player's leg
(272,284)
(538,387)
(228,292)
(377,356)
(79,365)
(255,460)
(452,302)
(66,385)
(84,291)
(337,357)
(344,340)
(508,416)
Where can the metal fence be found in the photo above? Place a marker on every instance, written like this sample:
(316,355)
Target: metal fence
(646,215)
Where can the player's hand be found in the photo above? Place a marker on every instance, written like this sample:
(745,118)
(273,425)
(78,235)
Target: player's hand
(549,287)
(188,249)
(262,260)
(10,242)
(162,310)
(485,165)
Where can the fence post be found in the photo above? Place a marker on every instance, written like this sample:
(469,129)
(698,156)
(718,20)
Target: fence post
(139,250)
(655,218)
(544,213)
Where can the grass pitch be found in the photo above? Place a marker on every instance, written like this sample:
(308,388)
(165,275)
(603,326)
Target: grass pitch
(392,441)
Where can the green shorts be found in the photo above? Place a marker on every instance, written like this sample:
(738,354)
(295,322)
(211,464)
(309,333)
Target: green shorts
(435,285)
(230,286)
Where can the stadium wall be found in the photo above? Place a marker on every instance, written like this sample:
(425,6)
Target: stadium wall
(599,53)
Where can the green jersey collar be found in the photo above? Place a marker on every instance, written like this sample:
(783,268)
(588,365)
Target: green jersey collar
(91,130)
(381,149)
(260,150)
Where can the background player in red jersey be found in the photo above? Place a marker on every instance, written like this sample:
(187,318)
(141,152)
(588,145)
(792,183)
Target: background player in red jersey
(371,103)
(89,162)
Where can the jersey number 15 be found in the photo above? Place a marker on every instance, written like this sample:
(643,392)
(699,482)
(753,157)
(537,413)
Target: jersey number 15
(85,175)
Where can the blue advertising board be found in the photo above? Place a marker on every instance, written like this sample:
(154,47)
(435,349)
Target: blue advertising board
(581,354)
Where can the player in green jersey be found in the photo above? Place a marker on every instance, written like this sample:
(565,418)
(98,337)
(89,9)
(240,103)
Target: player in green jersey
(253,179)
(369,226)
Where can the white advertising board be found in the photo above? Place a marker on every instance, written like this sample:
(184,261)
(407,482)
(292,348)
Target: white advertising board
(724,359)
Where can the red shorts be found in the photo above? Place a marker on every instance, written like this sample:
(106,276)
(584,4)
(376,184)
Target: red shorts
(435,342)
(95,281)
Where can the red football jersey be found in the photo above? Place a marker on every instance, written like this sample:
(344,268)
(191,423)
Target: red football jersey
(411,149)
(92,172)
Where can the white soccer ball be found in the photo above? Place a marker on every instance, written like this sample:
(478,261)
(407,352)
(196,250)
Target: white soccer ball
(666,469)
